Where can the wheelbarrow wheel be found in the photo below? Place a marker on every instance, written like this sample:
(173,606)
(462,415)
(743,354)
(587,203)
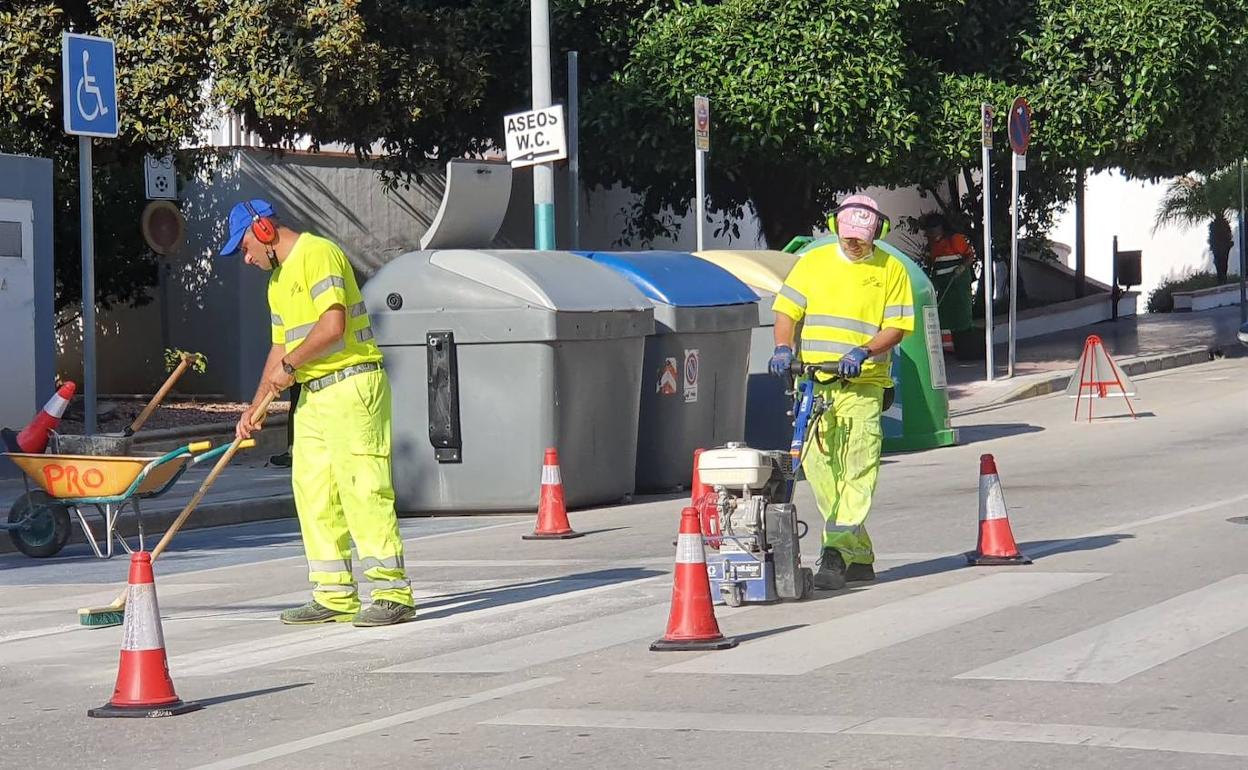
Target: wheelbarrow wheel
(42,525)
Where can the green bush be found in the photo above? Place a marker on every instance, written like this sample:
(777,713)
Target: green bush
(1161,299)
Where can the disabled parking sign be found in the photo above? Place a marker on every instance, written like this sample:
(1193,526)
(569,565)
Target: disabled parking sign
(89,91)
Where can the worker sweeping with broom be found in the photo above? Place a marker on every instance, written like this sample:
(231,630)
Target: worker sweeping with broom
(322,338)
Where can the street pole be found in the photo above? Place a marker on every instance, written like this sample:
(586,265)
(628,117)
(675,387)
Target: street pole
(986,116)
(543,173)
(1018,165)
(574,139)
(85,223)
(1243,251)
(699,162)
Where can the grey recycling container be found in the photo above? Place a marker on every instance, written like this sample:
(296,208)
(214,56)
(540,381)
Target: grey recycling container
(496,355)
(694,375)
(767,424)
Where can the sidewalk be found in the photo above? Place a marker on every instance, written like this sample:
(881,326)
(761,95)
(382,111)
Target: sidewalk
(1145,343)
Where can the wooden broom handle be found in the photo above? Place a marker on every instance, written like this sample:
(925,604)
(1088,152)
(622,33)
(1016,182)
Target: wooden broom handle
(261,410)
(187,360)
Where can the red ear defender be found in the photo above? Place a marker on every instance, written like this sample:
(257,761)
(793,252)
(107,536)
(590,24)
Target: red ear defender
(262,227)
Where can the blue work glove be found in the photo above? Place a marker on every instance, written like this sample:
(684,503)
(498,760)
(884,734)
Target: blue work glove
(851,363)
(781,360)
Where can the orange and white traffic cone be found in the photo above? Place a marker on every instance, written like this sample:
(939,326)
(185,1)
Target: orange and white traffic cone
(996,542)
(144,688)
(552,514)
(691,623)
(34,437)
(702,497)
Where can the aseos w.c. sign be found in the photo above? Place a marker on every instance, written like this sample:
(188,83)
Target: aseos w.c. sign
(536,136)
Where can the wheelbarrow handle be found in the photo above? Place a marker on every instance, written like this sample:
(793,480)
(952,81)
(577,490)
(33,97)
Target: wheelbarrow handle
(227,454)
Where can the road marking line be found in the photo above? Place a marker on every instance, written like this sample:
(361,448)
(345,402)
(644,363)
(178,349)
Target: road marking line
(1121,648)
(813,647)
(262,652)
(553,644)
(364,728)
(1098,736)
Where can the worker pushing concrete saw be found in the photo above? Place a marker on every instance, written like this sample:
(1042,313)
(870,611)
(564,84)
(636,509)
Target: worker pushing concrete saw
(856,304)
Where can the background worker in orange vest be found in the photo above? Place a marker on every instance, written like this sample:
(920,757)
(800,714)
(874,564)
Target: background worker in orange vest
(951,262)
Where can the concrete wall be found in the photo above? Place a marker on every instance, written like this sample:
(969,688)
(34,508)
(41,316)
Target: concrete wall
(26,178)
(1115,205)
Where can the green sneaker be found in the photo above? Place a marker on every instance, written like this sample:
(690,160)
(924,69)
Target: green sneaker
(384,612)
(314,613)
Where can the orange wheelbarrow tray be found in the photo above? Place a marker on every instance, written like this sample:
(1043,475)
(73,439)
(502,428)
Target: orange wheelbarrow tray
(39,522)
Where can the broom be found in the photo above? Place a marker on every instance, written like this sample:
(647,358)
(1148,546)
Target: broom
(115,614)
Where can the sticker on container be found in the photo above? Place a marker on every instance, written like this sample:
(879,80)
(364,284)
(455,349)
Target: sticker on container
(667,378)
(691,376)
(935,346)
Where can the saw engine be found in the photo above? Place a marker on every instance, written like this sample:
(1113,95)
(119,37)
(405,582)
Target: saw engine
(751,525)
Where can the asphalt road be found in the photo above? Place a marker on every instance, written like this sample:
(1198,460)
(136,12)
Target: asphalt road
(1122,645)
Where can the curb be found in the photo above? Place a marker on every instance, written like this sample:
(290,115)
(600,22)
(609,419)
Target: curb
(1133,367)
(155,524)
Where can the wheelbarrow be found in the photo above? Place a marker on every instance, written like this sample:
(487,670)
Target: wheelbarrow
(39,522)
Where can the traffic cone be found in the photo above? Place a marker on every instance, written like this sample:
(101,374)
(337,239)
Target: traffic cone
(996,542)
(696,488)
(552,514)
(34,438)
(691,624)
(702,497)
(143,688)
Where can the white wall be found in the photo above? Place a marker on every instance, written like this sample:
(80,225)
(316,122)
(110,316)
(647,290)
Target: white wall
(1115,205)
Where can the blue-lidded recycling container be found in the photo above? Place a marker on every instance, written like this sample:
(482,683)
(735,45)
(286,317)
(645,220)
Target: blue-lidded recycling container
(695,364)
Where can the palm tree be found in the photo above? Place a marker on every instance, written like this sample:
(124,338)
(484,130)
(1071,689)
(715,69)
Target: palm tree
(1193,199)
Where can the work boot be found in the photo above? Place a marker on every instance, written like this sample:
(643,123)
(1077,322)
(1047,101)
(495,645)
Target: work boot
(280,461)
(831,574)
(384,612)
(859,573)
(313,612)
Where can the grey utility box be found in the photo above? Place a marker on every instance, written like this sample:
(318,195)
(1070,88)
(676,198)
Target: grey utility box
(694,386)
(496,355)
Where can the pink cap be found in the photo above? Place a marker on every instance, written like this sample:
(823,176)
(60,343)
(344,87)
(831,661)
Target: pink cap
(856,222)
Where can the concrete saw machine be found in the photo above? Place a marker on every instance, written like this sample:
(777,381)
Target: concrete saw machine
(749,519)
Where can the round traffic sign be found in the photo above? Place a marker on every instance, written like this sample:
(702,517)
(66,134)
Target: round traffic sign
(1020,125)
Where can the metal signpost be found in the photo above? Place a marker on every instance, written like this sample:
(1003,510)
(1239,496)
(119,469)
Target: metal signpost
(1020,136)
(543,172)
(986,115)
(89,96)
(701,146)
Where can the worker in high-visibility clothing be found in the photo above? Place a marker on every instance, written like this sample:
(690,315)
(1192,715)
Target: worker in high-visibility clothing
(951,264)
(340,462)
(855,304)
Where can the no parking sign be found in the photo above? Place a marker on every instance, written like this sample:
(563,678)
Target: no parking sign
(692,361)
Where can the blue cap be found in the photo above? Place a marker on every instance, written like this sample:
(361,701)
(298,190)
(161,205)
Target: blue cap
(240,220)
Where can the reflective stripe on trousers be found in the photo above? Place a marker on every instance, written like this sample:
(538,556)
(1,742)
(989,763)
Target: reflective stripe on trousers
(341,477)
(842,464)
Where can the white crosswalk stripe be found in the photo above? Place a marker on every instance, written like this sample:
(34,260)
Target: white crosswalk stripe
(1121,648)
(823,644)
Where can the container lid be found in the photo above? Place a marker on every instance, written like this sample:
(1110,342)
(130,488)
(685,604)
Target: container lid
(502,297)
(676,277)
(763,270)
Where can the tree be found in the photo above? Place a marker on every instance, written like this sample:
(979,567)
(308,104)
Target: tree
(1193,199)
(160,45)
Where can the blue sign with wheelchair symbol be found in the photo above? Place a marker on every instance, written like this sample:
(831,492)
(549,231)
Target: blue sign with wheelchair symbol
(89,75)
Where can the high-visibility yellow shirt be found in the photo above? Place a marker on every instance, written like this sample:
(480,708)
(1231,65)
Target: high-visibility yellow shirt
(844,304)
(314,277)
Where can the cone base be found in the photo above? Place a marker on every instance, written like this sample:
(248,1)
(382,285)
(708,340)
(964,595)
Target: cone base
(692,645)
(144,712)
(552,535)
(996,561)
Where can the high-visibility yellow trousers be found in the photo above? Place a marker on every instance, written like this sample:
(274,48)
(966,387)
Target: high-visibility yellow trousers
(842,464)
(340,466)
